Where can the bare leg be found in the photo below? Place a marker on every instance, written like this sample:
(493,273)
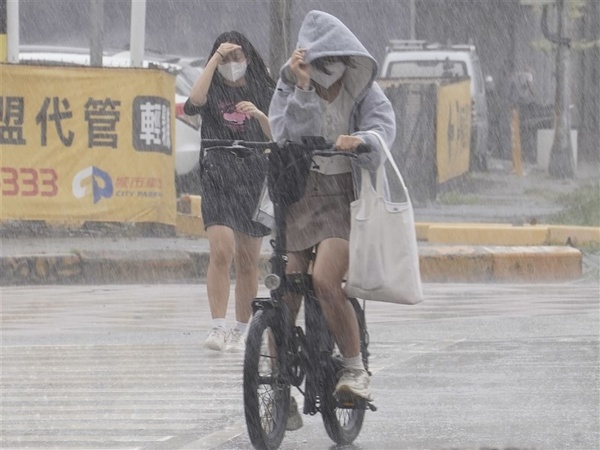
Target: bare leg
(221,242)
(330,267)
(247,253)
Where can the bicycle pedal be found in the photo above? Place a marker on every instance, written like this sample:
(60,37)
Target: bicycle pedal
(349,404)
(349,401)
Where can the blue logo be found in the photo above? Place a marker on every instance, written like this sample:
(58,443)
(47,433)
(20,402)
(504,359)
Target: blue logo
(102,186)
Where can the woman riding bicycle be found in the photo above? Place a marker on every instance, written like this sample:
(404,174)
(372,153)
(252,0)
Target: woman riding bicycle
(327,89)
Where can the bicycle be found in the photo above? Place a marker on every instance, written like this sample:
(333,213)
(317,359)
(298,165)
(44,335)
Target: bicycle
(279,356)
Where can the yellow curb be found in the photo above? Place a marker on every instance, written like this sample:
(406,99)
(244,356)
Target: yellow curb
(422,230)
(110,266)
(540,263)
(455,264)
(562,234)
(188,225)
(42,268)
(189,217)
(190,205)
(466,264)
(487,234)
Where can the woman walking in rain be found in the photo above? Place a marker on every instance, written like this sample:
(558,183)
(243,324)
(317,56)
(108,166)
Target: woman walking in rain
(232,95)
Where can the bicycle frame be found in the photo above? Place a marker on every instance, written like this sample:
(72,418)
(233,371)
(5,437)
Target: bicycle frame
(310,349)
(285,284)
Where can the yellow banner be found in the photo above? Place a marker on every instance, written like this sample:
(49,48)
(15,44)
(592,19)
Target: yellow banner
(87,144)
(453,130)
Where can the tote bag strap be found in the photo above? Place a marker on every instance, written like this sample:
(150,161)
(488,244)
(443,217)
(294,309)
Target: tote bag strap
(366,186)
(392,162)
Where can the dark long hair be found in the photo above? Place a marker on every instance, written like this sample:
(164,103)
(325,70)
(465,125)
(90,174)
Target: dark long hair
(256,73)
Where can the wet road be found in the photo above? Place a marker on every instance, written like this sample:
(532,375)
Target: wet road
(474,366)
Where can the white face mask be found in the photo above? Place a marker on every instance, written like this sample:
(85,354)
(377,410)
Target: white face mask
(233,71)
(337,69)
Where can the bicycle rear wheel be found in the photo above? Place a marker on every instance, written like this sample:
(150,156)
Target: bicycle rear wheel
(266,385)
(343,420)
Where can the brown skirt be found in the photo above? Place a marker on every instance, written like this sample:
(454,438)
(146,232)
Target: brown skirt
(323,212)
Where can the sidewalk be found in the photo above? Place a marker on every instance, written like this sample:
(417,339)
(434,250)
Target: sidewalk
(484,236)
(162,260)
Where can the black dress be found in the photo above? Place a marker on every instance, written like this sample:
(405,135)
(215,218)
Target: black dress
(231,181)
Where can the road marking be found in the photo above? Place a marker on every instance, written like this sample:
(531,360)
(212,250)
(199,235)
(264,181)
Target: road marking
(217,438)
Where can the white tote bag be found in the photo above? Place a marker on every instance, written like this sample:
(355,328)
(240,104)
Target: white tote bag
(384,258)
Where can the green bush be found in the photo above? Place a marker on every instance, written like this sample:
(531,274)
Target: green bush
(580,207)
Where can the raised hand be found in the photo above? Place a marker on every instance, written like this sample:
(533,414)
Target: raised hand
(225,49)
(300,68)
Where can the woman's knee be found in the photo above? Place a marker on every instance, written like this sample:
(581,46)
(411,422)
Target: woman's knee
(328,287)
(221,245)
(246,258)
(248,268)
(221,255)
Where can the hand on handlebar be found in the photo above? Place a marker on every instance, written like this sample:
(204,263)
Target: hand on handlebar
(345,143)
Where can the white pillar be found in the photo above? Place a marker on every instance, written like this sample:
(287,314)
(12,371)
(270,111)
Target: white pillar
(413,19)
(96,32)
(138,30)
(12,31)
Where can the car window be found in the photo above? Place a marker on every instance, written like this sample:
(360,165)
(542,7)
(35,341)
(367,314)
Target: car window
(427,69)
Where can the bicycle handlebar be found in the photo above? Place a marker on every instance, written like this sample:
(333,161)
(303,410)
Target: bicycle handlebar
(237,143)
(316,144)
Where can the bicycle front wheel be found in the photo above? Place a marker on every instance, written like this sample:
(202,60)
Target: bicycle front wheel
(343,419)
(266,385)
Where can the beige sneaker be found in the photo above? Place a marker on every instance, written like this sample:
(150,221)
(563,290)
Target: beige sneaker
(236,341)
(354,383)
(294,420)
(216,339)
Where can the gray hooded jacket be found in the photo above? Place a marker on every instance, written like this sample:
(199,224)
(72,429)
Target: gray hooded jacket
(294,113)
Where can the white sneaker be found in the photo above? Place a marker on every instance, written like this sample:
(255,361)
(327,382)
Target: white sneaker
(236,341)
(216,339)
(354,383)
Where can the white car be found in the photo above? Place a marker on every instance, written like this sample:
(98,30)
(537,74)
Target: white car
(187,70)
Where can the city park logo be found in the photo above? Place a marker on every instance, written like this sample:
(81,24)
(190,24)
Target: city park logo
(102,185)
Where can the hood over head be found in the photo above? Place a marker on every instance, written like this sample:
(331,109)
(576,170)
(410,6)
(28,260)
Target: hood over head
(322,34)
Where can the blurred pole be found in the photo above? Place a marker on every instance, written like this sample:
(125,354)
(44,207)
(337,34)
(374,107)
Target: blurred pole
(561,163)
(138,30)
(413,19)
(589,98)
(96,32)
(12,30)
(286,21)
(515,132)
(280,48)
